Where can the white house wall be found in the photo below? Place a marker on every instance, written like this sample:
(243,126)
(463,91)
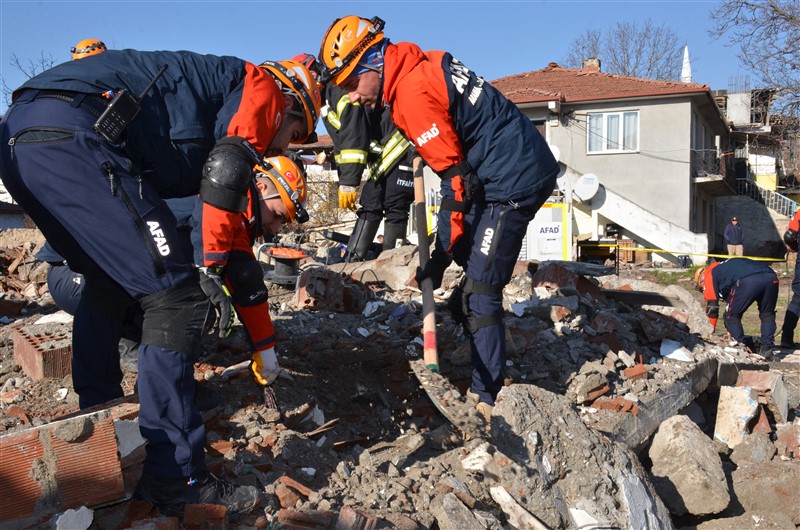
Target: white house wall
(657,176)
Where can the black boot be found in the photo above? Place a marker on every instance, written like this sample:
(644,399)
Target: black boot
(392,233)
(361,239)
(787,330)
(171,495)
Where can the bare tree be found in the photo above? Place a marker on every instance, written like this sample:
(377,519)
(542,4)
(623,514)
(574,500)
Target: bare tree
(28,68)
(644,50)
(768,35)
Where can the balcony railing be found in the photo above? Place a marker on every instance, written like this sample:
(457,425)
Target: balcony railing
(771,199)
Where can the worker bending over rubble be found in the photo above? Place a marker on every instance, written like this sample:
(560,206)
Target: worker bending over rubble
(792,315)
(496,170)
(231,269)
(90,149)
(740,282)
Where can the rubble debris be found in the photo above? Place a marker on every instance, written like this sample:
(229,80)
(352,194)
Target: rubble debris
(769,487)
(43,350)
(687,471)
(737,407)
(543,441)
(771,391)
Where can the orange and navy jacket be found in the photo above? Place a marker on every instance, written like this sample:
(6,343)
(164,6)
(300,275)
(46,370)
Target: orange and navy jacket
(452,115)
(224,233)
(199,100)
(794,226)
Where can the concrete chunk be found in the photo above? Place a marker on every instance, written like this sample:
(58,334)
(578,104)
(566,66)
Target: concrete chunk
(687,471)
(737,406)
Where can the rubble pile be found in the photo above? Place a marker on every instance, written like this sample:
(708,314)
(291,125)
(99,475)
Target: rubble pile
(617,413)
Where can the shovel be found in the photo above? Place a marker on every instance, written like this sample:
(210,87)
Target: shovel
(447,399)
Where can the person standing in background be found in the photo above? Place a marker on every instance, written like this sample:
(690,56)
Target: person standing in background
(734,238)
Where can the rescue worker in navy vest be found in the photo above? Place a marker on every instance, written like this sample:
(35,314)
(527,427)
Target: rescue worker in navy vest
(367,138)
(226,242)
(90,149)
(496,170)
(740,282)
(790,237)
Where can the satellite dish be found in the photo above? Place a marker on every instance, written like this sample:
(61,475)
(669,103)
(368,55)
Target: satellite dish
(561,178)
(556,151)
(586,187)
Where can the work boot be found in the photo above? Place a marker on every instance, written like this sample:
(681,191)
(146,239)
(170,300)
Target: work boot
(484,408)
(171,495)
(360,240)
(766,352)
(392,233)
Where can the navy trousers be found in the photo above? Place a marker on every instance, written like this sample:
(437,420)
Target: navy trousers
(112,227)
(488,251)
(763,290)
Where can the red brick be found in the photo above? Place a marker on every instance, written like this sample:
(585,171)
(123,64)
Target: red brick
(205,517)
(351,519)
(788,440)
(292,483)
(597,392)
(42,356)
(287,497)
(761,423)
(291,520)
(82,472)
(635,372)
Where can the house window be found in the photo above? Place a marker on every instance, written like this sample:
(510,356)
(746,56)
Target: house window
(613,132)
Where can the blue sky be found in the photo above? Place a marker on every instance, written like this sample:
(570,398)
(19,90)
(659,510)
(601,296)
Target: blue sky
(494,38)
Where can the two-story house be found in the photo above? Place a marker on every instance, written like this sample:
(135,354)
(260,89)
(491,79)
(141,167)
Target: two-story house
(654,147)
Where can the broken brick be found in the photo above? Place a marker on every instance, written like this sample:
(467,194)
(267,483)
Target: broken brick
(788,440)
(205,517)
(638,371)
(42,356)
(616,405)
(761,423)
(292,483)
(291,520)
(286,496)
(597,392)
(351,519)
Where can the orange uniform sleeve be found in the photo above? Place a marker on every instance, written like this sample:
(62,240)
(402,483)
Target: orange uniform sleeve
(260,111)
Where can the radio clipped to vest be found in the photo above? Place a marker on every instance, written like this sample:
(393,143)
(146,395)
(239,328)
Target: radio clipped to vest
(121,111)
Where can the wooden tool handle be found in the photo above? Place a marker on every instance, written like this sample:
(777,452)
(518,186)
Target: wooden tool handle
(430,353)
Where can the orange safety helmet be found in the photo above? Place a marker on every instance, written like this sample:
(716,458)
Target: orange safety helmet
(344,43)
(699,277)
(290,180)
(87,47)
(296,81)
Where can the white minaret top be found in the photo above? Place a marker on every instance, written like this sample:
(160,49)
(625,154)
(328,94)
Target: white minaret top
(686,70)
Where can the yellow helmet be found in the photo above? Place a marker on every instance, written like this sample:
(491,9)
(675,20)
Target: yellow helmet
(87,47)
(296,80)
(290,180)
(344,43)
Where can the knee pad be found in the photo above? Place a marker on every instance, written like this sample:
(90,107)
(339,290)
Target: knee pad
(457,303)
(471,321)
(173,318)
(247,280)
(767,317)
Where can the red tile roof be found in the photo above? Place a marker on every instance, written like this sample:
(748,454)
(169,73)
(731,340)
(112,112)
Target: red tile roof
(572,86)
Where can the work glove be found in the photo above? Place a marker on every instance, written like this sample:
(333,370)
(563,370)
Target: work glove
(212,285)
(434,268)
(712,312)
(265,366)
(347,197)
(473,187)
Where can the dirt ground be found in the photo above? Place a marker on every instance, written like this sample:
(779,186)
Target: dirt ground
(351,389)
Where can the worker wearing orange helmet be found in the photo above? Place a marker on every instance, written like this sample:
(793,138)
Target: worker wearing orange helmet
(496,169)
(276,197)
(740,282)
(87,48)
(124,130)
(792,315)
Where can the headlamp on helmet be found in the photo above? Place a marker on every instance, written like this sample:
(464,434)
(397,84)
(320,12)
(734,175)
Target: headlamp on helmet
(87,47)
(297,82)
(290,180)
(344,43)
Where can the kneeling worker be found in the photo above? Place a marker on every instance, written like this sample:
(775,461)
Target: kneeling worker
(740,282)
